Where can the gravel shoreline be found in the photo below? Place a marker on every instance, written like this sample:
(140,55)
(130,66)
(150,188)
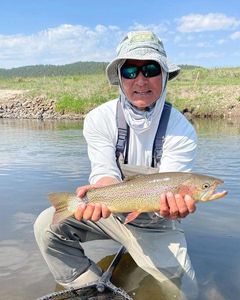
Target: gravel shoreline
(15,105)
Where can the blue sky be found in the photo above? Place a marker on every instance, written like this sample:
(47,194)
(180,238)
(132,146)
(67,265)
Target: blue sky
(205,33)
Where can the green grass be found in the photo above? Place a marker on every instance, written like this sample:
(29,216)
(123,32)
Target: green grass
(206,92)
(199,90)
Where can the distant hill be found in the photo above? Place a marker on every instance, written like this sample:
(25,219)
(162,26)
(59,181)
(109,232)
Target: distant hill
(77,68)
(189,67)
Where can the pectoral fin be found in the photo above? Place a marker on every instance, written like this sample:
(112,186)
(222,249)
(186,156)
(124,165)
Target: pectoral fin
(131,216)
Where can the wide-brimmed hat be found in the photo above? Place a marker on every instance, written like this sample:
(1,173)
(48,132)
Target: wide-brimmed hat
(140,45)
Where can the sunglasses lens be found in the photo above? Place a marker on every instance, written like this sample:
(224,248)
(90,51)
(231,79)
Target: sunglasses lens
(129,72)
(151,70)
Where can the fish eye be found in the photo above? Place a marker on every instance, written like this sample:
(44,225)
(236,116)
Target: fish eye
(206,185)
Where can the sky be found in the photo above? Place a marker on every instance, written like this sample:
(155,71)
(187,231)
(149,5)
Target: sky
(204,33)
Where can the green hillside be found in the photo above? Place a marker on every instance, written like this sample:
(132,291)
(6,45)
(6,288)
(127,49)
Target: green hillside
(78,68)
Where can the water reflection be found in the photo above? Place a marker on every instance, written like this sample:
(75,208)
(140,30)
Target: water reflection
(217,128)
(37,125)
(213,232)
(40,157)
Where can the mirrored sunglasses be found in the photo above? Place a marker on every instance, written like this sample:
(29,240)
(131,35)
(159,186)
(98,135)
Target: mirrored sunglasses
(151,69)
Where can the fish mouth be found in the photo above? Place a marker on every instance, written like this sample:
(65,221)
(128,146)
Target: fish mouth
(212,194)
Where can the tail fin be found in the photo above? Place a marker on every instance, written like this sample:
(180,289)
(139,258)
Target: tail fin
(60,202)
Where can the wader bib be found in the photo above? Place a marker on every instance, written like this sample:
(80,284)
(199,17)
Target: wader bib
(123,138)
(150,220)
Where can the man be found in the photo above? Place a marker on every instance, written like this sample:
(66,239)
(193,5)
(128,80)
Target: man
(154,241)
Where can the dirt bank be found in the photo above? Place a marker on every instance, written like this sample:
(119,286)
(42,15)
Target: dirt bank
(16,104)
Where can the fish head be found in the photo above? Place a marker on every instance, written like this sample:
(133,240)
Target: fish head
(204,188)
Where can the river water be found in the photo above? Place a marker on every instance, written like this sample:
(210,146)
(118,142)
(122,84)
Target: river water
(39,157)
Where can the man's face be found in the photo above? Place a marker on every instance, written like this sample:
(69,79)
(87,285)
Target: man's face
(142,91)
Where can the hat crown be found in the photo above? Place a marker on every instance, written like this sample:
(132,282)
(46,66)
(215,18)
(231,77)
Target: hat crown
(140,40)
(140,45)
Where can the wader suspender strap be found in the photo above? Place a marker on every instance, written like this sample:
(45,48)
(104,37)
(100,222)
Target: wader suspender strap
(160,135)
(123,135)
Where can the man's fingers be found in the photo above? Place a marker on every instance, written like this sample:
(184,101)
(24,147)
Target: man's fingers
(173,207)
(78,214)
(88,212)
(97,212)
(93,212)
(190,203)
(182,207)
(82,190)
(105,211)
(164,208)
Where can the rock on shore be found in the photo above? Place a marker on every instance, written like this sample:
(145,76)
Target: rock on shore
(14,105)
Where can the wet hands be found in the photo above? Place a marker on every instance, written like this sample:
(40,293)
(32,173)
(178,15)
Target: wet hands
(176,206)
(172,206)
(91,211)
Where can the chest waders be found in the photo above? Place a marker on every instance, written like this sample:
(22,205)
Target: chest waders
(149,220)
(124,132)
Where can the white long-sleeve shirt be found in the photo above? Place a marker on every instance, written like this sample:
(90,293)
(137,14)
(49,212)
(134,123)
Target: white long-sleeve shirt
(100,131)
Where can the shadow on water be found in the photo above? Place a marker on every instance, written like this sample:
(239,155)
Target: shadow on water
(38,157)
(136,282)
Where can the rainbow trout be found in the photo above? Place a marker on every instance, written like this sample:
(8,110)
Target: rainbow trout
(139,194)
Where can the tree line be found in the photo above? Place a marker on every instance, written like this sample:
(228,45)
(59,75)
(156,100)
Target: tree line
(77,68)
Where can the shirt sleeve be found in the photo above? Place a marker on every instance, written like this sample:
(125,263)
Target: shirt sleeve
(179,149)
(100,133)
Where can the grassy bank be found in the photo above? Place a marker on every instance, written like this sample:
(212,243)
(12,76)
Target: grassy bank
(207,92)
(201,92)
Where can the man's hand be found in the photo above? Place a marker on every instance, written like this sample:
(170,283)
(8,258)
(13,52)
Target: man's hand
(176,206)
(91,211)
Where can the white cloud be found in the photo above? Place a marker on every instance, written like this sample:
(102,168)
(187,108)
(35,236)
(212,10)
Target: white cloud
(60,45)
(68,43)
(203,45)
(157,28)
(209,22)
(221,41)
(235,35)
(209,55)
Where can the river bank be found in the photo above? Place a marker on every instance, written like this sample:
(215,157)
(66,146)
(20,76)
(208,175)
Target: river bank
(197,93)
(15,104)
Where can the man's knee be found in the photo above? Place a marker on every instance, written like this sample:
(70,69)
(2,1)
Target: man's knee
(41,225)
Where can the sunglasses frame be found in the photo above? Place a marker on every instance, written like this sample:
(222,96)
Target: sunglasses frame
(141,69)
